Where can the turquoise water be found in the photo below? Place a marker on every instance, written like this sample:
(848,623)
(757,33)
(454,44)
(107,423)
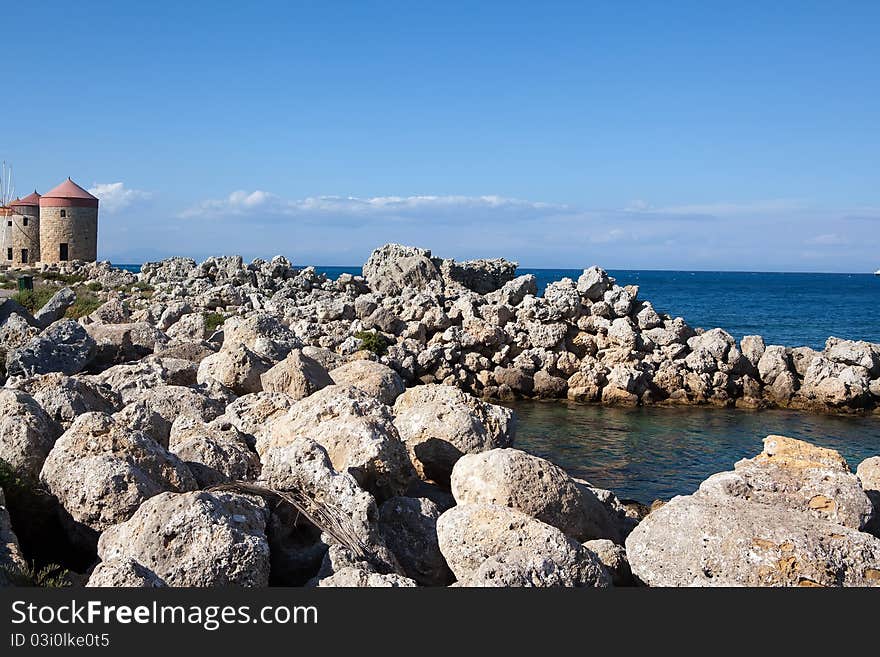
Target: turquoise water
(650,453)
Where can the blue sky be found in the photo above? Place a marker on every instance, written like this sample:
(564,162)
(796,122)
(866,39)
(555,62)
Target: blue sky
(670,135)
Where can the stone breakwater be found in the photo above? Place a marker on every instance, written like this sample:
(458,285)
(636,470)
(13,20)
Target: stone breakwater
(155,448)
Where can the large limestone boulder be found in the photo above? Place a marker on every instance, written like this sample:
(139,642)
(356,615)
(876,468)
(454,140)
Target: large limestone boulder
(536,487)
(392,268)
(101,471)
(215,452)
(375,379)
(130,381)
(63,347)
(235,366)
(154,410)
(481,276)
(123,572)
(804,478)
(439,424)
(297,376)
(409,527)
(788,517)
(830,384)
(262,333)
(124,343)
(195,539)
(15,331)
(253,414)
(855,353)
(114,311)
(487,544)
(27,433)
(594,283)
(358,433)
(65,398)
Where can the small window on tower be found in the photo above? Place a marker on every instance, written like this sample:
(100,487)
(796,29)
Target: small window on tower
(24,221)
(63,213)
(9,254)
(9,223)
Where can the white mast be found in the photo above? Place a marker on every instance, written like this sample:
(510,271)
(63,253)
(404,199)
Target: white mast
(7,185)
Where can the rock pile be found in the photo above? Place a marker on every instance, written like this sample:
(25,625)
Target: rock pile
(232,423)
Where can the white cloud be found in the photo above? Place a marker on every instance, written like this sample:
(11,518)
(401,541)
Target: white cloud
(828,239)
(115,196)
(721,208)
(267,204)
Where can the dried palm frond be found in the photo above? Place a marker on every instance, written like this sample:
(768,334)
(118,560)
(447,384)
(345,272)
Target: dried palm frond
(325,516)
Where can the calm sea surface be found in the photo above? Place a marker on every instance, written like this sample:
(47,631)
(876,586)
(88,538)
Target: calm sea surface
(651,453)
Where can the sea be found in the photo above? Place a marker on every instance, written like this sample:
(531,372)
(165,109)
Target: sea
(657,453)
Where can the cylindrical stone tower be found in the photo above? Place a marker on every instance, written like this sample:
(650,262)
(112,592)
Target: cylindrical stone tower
(22,243)
(5,235)
(68,224)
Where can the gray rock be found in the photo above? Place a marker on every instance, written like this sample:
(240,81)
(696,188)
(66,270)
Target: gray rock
(613,557)
(303,465)
(375,379)
(63,347)
(236,367)
(440,424)
(65,398)
(101,472)
(752,347)
(154,410)
(480,276)
(353,577)
(409,527)
(215,452)
(16,332)
(486,544)
(392,268)
(523,567)
(297,376)
(123,343)
(195,539)
(54,308)
(358,433)
(262,333)
(27,433)
(124,572)
(536,487)
(593,283)
(774,521)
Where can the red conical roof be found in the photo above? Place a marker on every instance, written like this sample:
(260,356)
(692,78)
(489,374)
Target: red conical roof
(68,193)
(30,199)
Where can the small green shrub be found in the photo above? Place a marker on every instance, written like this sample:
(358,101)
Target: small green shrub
(213,321)
(50,576)
(374,342)
(63,278)
(35,299)
(86,303)
(94,286)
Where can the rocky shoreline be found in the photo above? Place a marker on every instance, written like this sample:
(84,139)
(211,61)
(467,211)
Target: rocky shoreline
(240,424)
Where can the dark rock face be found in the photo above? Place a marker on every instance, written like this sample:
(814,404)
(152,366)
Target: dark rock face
(64,347)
